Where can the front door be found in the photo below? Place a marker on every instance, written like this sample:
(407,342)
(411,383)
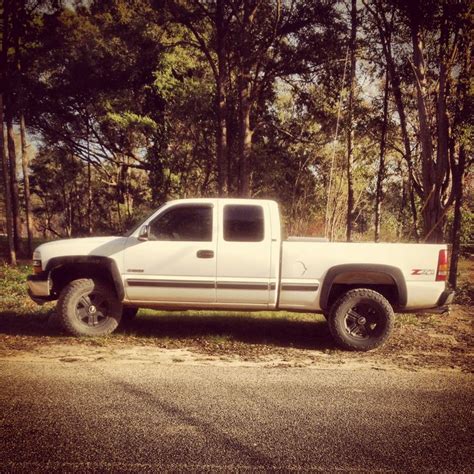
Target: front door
(177,264)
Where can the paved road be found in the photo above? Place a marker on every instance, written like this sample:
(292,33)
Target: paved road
(129,416)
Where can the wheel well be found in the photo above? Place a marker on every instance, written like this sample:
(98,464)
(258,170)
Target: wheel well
(64,274)
(385,279)
(377,281)
(390,292)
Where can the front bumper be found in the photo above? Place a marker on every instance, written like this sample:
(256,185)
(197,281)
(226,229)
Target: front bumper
(39,288)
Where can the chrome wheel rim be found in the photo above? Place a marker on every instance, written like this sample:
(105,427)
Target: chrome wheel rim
(92,309)
(362,321)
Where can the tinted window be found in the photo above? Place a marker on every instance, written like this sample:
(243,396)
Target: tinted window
(183,223)
(243,223)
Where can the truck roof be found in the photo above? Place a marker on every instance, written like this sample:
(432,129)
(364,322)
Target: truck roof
(226,200)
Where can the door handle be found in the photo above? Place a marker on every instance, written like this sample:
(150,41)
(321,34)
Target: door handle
(205,254)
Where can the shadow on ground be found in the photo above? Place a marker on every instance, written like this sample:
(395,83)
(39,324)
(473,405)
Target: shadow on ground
(254,330)
(225,329)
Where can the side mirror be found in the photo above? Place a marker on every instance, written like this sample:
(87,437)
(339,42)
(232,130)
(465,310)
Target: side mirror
(143,234)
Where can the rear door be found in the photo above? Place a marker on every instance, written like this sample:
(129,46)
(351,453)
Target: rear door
(244,255)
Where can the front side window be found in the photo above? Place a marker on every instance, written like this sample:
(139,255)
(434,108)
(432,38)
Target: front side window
(243,223)
(191,223)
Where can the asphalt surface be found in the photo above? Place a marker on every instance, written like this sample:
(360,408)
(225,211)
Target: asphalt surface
(135,416)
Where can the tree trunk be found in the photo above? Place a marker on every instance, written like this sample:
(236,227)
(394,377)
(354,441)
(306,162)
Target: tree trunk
(3,144)
(221,131)
(232,134)
(118,199)
(459,171)
(414,212)
(458,184)
(401,211)
(432,206)
(381,174)
(397,94)
(7,190)
(89,197)
(14,191)
(245,138)
(385,28)
(442,158)
(26,184)
(350,126)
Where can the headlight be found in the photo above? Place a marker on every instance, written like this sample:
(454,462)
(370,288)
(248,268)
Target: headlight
(37,262)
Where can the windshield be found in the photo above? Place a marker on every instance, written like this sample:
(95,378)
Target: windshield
(137,226)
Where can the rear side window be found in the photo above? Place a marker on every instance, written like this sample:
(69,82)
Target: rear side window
(243,223)
(183,223)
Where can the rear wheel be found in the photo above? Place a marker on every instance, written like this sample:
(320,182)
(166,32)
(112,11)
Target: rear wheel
(361,320)
(88,307)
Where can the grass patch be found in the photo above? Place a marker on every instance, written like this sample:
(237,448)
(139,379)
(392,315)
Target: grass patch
(465,289)
(13,291)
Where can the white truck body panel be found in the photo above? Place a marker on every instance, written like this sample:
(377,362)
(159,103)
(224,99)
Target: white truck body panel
(109,246)
(246,274)
(309,262)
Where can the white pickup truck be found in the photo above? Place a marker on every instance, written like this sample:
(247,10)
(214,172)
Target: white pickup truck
(229,254)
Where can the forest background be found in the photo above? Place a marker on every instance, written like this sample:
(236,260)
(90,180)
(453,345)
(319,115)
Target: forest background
(355,115)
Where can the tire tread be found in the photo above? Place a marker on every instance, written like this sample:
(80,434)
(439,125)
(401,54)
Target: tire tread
(64,306)
(347,343)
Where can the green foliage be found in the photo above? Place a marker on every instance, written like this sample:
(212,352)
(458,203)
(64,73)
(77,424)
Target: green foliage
(13,294)
(124,92)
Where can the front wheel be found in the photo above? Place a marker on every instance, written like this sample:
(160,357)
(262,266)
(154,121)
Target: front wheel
(88,307)
(361,320)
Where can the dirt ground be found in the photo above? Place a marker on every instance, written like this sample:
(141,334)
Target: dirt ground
(418,342)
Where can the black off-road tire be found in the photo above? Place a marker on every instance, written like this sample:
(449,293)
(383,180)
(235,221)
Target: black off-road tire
(361,320)
(88,307)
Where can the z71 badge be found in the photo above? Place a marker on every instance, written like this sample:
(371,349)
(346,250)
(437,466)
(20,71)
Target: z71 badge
(422,271)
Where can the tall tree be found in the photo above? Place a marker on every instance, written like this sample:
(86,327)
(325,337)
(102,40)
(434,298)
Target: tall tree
(208,24)
(381,170)
(384,23)
(461,143)
(6,14)
(350,119)
(21,25)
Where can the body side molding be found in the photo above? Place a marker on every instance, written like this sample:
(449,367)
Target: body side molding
(199,284)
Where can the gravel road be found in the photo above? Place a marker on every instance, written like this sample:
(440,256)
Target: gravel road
(147,416)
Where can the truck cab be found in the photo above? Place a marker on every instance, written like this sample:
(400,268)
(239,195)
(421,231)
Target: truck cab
(213,252)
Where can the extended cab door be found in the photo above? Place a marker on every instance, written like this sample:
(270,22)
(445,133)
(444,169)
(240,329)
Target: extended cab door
(246,267)
(177,264)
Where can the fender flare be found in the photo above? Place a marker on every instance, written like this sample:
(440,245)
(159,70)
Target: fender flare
(393,272)
(104,262)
